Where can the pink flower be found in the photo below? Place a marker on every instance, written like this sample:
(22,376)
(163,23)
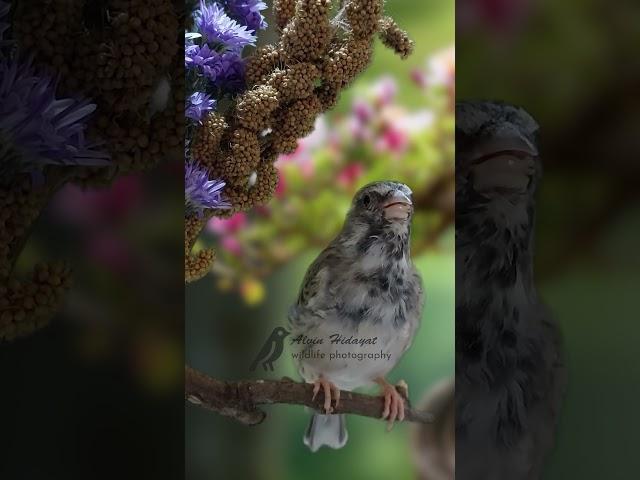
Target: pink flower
(498,16)
(291,157)
(358,131)
(384,90)
(281,187)
(94,207)
(350,174)
(225,226)
(362,111)
(393,140)
(262,210)
(419,77)
(307,168)
(232,245)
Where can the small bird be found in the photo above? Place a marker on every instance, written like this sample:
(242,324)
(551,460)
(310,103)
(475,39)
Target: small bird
(362,287)
(509,371)
(271,350)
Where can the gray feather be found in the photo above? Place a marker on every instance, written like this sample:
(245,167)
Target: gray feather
(326,430)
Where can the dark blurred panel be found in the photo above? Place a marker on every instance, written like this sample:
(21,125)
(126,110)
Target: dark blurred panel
(99,391)
(91,240)
(573,65)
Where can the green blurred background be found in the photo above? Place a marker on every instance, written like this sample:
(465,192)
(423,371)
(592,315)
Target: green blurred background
(573,64)
(225,329)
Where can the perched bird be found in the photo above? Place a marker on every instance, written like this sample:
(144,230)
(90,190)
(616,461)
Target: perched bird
(271,350)
(509,371)
(363,288)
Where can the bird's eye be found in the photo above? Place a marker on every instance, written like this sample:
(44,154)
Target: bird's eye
(366,200)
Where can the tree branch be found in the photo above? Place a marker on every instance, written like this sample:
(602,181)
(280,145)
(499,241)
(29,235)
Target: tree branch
(239,399)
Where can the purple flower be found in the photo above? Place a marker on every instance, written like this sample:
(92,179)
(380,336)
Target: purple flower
(247,12)
(208,62)
(221,69)
(200,193)
(199,56)
(36,128)
(233,71)
(217,27)
(198,104)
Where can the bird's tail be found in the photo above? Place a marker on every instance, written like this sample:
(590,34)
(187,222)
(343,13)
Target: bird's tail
(254,364)
(329,430)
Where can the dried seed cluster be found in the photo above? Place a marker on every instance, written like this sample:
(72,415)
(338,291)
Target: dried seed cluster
(206,144)
(395,38)
(19,207)
(196,265)
(363,17)
(264,61)
(122,62)
(307,35)
(296,82)
(283,11)
(345,63)
(256,106)
(27,306)
(294,122)
(290,83)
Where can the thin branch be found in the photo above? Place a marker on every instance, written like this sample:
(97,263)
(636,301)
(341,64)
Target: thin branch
(239,399)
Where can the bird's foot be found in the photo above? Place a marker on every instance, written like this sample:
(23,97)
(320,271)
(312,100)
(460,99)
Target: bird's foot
(393,402)
(329,389)
(403,389)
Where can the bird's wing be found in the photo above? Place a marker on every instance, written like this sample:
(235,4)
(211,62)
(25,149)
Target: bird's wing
(415,305)
(316,292)
(315,280)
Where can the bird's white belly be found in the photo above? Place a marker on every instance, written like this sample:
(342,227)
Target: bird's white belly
(351,365)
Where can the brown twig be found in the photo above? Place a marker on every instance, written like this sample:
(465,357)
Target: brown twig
(239,399)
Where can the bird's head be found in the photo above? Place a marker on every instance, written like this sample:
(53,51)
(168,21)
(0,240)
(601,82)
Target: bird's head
(497,161)
(382,204)
(280,332)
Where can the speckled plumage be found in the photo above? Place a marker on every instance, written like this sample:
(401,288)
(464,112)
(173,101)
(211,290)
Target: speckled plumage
(364,285)
(509,374)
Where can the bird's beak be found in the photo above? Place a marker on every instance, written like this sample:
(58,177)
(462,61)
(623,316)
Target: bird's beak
(504,163)
(397,207)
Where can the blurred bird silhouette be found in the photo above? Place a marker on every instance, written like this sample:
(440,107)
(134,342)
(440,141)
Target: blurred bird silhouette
(271,350)
(509,374)
(434,445)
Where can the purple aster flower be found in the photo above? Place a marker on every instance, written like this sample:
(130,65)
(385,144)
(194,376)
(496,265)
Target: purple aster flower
(221,69)
(206,61)
(200,56)
(247,12)
(198,104)
(217,27)
(200,193)
(36,128)
(233,68)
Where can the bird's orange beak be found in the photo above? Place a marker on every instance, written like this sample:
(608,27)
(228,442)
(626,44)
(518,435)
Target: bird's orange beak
(397,207)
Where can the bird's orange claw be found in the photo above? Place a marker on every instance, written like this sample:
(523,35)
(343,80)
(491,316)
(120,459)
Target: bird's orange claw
(329,390)
(393,403)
